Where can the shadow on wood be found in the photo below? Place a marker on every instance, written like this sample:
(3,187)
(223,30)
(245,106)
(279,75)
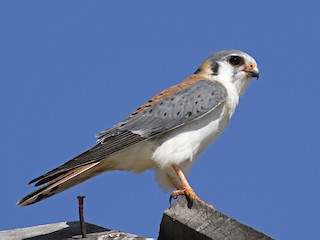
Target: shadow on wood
(184,222)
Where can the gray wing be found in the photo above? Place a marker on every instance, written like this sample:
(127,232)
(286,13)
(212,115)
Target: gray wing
(171,112)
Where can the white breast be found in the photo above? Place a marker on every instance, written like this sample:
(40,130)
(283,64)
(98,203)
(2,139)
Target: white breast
(187,142)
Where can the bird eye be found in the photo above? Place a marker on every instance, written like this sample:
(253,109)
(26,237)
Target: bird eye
(235,60)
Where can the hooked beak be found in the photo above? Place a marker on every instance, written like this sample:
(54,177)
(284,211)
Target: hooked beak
(252,71)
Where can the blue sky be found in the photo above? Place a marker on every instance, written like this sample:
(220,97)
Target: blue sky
(70,69)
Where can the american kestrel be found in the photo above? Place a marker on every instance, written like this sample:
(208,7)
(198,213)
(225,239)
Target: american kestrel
(167,133)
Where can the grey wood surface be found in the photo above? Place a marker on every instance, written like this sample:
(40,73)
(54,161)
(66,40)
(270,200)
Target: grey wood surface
(182,221)
(66,231)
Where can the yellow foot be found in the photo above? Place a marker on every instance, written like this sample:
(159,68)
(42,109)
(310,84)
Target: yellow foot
(190,194)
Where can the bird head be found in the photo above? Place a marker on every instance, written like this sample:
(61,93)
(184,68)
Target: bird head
(232,66)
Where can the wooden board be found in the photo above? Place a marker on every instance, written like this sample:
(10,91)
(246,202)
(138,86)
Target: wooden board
(185,221)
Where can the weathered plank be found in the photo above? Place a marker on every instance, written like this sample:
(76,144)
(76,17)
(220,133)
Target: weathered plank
(66,231)
(185,222)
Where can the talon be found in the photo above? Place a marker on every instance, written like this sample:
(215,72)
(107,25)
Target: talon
(170,199)
(175,195)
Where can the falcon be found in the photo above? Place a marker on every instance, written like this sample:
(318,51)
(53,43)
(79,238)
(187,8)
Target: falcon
(167,133)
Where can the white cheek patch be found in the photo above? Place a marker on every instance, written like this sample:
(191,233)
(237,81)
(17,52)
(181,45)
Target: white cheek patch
(233,75)
(226,71)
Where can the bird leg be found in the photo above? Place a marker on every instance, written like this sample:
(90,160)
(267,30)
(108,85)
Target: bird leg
(186,188)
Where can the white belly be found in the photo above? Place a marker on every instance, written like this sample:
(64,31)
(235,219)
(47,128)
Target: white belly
(187,142)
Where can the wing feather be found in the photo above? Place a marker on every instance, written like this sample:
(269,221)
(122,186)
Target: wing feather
(177,109)
(59,184)
(173,111)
